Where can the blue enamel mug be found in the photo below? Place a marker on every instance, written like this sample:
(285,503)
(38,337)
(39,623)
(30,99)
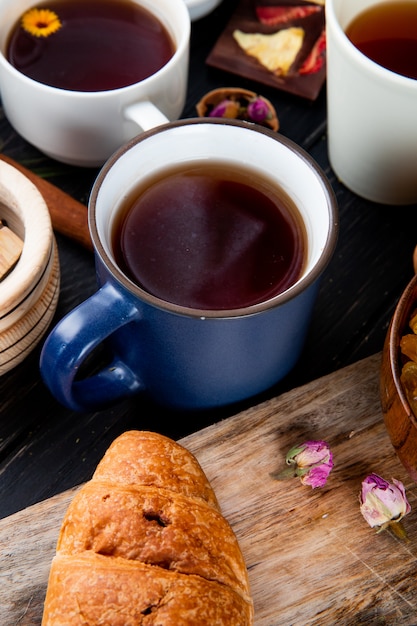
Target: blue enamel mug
(183,357)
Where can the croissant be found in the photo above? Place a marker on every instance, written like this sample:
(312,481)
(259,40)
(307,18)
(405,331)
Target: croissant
(145,543)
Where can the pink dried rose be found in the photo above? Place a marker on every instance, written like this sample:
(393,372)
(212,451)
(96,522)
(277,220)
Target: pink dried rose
(227,108)
(384,504)
(255,110)
(311,461)
(258,110)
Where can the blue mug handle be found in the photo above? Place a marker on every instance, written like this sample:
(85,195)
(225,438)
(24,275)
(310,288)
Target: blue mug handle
(74,338)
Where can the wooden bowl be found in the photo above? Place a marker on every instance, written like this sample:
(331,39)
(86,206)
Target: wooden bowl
(399,419)
(29,291)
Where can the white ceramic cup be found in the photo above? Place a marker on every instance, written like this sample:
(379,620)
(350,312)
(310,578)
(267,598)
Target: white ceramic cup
(372,116)
(85,128)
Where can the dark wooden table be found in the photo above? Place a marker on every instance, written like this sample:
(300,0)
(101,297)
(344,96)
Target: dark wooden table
(45,448)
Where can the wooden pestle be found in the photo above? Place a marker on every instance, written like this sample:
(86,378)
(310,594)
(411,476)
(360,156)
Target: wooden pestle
(68,216)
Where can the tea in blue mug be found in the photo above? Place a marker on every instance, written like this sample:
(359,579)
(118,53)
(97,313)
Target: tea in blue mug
(210,239)
(209,236)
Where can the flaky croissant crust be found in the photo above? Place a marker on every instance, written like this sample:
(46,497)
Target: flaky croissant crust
(145,543)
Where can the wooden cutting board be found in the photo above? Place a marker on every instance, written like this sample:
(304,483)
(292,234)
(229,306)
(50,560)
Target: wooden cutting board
(312,559)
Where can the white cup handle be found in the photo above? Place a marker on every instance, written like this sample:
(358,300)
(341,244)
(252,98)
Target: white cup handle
(145,114)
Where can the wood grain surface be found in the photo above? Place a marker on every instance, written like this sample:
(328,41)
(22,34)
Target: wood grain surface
(312,559)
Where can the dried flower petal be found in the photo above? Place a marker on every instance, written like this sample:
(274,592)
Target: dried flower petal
(317,476)
(381,502)
(258,110)
(309,454)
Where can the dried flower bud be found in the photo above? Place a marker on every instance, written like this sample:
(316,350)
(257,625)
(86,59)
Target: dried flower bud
(381,502)
(314,462)
(311,461)
(226,108)
(258,110)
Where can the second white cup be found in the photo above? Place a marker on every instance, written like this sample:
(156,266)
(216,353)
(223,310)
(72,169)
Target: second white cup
(372,116)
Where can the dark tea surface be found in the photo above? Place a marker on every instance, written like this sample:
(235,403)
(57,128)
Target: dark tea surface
(211,238)
(387,34)
(100,45)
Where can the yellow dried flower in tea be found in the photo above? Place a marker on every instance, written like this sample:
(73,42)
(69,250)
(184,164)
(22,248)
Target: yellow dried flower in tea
(40,22)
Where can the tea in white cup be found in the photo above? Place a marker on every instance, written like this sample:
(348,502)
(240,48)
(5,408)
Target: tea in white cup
(89,45)
(387,34)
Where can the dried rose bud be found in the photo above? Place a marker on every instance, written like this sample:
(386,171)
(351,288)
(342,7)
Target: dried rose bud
(311,461)
(226,108)
(383,504)
(258,110)
(314,462)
